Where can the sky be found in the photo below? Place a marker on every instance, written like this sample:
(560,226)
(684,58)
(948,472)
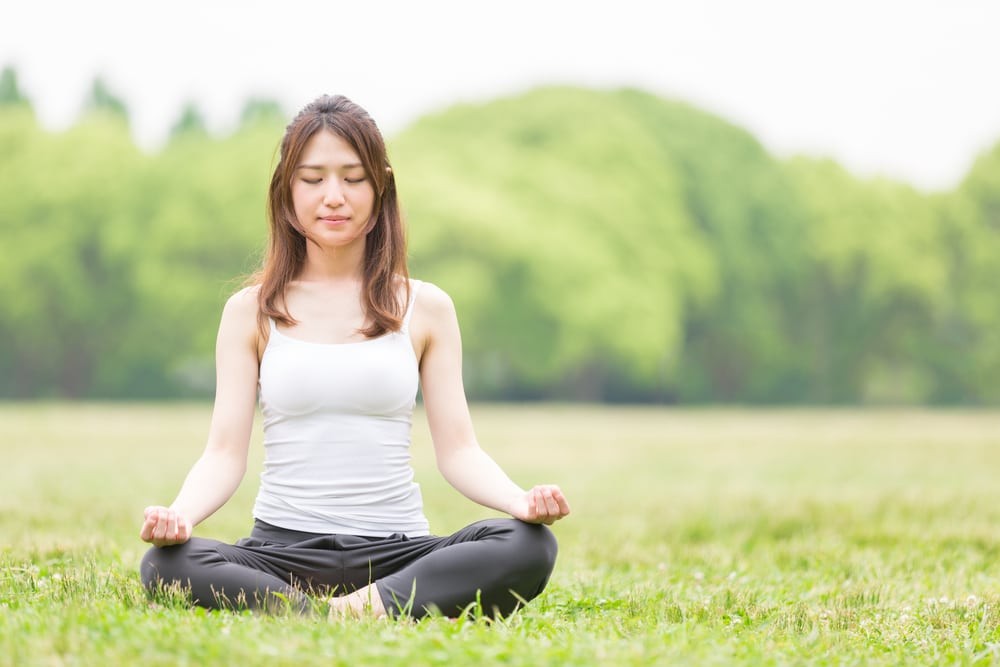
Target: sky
(901,88)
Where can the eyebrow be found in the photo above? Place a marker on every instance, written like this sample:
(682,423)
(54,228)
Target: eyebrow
(352,165)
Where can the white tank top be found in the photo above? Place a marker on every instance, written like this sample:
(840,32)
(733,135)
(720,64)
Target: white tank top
(337,423)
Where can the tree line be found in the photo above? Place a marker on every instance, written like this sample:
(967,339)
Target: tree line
(599,245)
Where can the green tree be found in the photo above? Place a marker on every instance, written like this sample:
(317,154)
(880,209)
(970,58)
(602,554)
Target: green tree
(878,282)
(190,123)
(967,359)
(67,282)
(200,235)
(599,246)
(100,99)
(562,235)
(262,110)
(739,344)
(10,91)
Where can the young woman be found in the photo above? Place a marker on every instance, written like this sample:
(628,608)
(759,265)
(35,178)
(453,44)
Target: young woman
(333,338)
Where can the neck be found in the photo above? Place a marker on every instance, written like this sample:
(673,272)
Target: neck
(333,264)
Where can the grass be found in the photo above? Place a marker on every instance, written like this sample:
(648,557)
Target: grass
(710,537)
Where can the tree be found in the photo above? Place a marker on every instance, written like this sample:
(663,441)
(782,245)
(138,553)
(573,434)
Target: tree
(560,230)
(100,99)
(877,283)
(261,110)
(67,283)
(967,362)
(190,123)
(10,91)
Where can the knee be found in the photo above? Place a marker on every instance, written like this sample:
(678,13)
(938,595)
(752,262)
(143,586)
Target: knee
(162,565)
(151,567)
(534,548)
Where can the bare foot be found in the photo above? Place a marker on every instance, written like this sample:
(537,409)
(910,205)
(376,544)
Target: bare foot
(362,603)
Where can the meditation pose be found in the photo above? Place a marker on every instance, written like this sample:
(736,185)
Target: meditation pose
(332,338)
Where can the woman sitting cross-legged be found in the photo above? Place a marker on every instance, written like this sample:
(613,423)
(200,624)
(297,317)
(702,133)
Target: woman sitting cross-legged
(332,338)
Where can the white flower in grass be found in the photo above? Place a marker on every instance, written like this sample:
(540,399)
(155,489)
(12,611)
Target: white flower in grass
(971,601)
(698,576)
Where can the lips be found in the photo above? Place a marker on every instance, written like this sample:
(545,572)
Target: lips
(334,218)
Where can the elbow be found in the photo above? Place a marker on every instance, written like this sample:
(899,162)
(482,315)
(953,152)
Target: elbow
(228,457)
(454,459)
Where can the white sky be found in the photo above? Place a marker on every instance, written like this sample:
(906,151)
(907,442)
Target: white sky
(906,88)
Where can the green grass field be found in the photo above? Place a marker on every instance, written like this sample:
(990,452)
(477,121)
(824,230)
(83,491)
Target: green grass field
(706,537)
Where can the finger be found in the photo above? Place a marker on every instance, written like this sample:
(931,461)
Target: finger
(171,533)
(560,499)
(146,533)
(551,506)
(538,492)
(181,523)
(563,504)
(160,529)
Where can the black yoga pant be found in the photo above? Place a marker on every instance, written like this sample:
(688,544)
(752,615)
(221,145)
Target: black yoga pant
(498,563)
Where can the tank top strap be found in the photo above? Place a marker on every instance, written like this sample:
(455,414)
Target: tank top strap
(414,286)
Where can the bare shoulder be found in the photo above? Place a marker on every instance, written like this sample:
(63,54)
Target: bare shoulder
(434,320)
(240,312)
(432,303)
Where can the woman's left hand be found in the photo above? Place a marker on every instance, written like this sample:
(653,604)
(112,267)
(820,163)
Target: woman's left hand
(544,503)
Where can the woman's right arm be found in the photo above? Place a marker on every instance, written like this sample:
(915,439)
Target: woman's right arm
(215,476)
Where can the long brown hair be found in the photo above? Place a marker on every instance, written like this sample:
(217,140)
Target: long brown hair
(385,244)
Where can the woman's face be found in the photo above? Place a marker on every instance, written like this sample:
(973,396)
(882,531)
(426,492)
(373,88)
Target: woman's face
(332,195)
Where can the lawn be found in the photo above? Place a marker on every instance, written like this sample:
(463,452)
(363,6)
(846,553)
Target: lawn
(708,537)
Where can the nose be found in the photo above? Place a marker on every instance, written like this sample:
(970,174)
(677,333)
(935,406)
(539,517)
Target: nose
(333,195)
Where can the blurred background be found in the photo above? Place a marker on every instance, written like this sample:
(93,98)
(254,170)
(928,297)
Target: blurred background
(716,202)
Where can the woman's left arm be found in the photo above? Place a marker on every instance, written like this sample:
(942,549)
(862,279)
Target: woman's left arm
(459,457)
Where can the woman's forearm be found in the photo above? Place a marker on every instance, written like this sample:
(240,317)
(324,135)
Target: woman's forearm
(212,481)
(478,477)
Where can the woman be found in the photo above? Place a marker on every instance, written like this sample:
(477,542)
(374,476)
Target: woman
(335,338)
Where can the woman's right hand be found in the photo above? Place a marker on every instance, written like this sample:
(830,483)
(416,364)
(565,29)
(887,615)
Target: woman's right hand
(164,527)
